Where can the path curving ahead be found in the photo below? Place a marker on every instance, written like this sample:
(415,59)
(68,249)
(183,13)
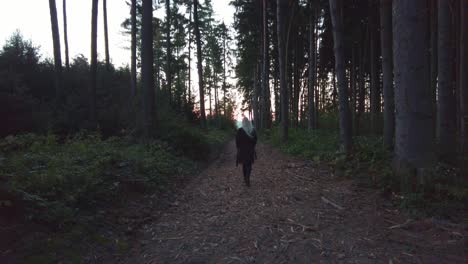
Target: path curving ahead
(294,212)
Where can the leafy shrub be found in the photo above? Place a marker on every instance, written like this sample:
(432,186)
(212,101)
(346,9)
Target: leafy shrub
(63,178)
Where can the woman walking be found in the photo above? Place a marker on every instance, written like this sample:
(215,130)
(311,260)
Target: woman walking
(246,139)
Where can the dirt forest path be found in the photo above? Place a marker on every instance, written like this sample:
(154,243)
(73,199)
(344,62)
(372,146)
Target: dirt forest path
(294,212)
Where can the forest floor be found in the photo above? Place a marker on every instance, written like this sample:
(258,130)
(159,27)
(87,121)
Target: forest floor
(294,212)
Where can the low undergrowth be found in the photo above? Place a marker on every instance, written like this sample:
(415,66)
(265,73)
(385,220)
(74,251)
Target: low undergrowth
(441,196)
(60,187)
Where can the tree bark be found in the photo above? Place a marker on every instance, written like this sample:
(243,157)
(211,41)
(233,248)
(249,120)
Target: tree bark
(147,67)
(434,56)
(199,64)
(93,110)
(65,34)
(464,86)
(446,110)
(387,68)
(336,11)
(282,6)
(414,119)
(57,53)
(190,55)
(312,66)
(168,49)
(133,70)
(106,34)
(375,87)
(266,115)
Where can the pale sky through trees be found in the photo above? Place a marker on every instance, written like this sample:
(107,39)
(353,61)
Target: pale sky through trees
(32,19)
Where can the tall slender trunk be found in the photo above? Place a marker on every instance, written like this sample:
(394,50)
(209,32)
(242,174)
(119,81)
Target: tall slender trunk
(434,56)
(224,70)
(282,6)
(199,64)
(266,116)
(65,34)
(335,90)
(464,86)
(336,11)
(375,86)
(190,55)
(316,59)
(413,134)
(353,84)
(296,79)
(311,82)
(57,53)
(387,68)
(446,110)
(93,110)
(133,71)
(255,96)
(168,50)
(147,67)
(106,34)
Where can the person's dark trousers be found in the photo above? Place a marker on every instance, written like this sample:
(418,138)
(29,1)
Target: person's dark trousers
(247,169)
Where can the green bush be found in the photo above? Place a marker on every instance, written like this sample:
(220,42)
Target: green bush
(63,178)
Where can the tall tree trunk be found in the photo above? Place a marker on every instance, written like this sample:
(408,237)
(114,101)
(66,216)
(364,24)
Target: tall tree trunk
(311,82)
(93,110)
(224,70)
(190,55)
(255,96)
(133,70)
(353,84)
(106,34)
(147,67)
(266,115)
(65,34)
(199,64)
(215,86)
(316,59)
(296,78)
(387,68)
(282,6)
(335,90)
(464,86)
(375,86)
(57,53)
(414,134)
(446,113)
(336,11)
(434,56)
(168,49)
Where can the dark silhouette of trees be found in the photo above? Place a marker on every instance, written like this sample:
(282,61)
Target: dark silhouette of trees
(57,52)
(199,63)
(65,34)
(414,120)
(147,68)
(106,33)
(387,68)
(336,12)
(446,107)
(93,87)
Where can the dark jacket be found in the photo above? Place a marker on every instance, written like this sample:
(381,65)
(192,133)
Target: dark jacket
(245,146)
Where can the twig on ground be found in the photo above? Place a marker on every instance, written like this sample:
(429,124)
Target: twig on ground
(339,207)
(401,225)
(304,227)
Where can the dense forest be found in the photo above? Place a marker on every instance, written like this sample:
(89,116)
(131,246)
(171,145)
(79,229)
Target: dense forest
(372,91)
